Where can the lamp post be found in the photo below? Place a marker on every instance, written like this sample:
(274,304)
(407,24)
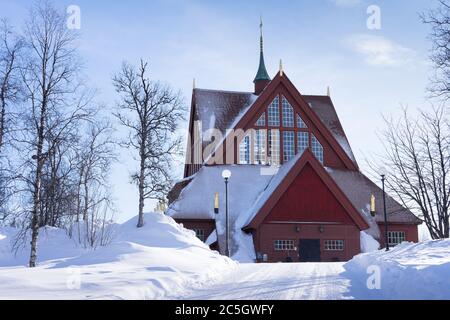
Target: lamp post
(226,174)
(383,178)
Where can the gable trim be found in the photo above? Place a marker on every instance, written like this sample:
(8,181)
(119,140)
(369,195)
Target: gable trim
(266,94)
(307,158)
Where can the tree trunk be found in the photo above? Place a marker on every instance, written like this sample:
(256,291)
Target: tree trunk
(141,184)
(37,185)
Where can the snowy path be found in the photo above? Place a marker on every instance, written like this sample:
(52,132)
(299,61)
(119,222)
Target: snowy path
(290,281)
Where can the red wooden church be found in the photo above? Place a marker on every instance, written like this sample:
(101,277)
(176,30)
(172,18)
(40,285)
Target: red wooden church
(295,191)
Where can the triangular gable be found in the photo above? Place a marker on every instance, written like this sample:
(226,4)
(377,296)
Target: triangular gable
(284,184)
(263,100)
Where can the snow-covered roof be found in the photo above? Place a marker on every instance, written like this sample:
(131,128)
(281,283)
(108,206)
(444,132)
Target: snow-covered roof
(358,188)
(246,185)
(324,108)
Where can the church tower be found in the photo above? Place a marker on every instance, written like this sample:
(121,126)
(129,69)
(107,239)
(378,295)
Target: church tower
(262,78)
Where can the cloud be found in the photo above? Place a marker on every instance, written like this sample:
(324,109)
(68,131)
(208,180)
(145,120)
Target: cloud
(346,3)
(380,51)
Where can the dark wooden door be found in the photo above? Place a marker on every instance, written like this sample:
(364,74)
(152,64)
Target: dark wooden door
(309,250)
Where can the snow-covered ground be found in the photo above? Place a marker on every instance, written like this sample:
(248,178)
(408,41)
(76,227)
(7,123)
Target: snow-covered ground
(408,271)
(145,263)
(163,260)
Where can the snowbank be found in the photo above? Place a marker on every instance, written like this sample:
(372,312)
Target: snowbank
(159,260)
(407,271)
(368,243)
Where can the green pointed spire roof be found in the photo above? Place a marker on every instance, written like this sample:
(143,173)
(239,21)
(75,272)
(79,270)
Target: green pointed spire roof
(262,72)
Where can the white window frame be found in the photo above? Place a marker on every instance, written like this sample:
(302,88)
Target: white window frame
(333,245)
(396,237)
(283,245)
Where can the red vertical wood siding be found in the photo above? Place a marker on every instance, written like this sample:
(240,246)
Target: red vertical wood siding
(308,199)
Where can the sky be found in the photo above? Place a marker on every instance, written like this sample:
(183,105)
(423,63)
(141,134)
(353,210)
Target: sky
(371,72)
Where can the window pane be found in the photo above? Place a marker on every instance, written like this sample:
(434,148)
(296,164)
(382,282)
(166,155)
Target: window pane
(274,113)
(302,141)
(288,145)
(200,233)
(396,237)
(274,146)
(260,146)
(244,151)
(317,148)
(282,245)
(300,122)
(261,121)
(334,245)
(288,114)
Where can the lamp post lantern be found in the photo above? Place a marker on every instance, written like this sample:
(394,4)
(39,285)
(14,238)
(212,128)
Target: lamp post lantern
(226,174)
(383,178)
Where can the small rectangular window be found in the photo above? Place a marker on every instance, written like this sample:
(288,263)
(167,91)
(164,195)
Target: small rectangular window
(200,233)
(283,245)
(396,237)
(334,245)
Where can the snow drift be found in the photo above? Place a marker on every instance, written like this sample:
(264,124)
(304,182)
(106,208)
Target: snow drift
(158,260)
(407,271)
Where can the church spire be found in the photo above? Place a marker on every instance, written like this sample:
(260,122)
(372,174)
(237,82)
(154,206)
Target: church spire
(262,77)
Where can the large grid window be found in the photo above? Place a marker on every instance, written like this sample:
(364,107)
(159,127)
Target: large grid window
(283,245)
(396,237)
(302,141)
(274,113)
(261,121)
(316,148)
(274,146)
(200,233)
(300,122)
(260,146)
(288,145)
(334,245)
(288,113)
(244,150)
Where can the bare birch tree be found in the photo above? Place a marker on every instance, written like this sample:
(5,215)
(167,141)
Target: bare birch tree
(54,104)
(439,21)
(10,87)
(151,112)
(418,158)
